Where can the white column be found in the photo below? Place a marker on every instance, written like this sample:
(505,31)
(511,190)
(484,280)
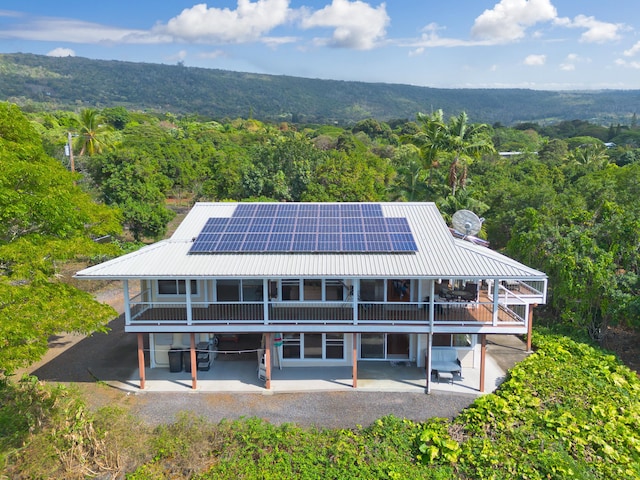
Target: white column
(265,298)
(127,305)
(356,294)
(187,291)
(496,293)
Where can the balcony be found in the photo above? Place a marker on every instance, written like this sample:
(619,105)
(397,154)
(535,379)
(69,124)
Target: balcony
(453,315)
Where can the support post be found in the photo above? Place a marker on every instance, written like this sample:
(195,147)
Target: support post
(427,362)
(194,364)
(187,288)
(127,304)
(141,359)
(354,372)
(483,358)
(266,300)
(530,326)
(267,361)
(496,298)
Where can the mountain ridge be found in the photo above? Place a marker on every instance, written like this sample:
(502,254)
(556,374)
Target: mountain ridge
(75,82)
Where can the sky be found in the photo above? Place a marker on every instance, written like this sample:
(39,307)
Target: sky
(535,44)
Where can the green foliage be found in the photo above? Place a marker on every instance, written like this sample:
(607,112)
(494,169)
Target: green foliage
(45,220)
(133,182)
(567,411)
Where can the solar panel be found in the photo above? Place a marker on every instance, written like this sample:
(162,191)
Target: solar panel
(305,227)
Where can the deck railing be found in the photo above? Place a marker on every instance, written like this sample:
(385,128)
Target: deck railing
(325,313)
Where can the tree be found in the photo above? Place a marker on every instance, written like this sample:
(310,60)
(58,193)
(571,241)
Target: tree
(464,142)
(93,136)
(429,139)
(45,220)
(133,182)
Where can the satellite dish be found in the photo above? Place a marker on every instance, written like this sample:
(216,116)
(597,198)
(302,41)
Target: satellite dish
(466,222)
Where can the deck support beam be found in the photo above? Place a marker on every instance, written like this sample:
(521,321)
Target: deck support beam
(427,363)
(530,326)
(354,373)
(141,359)
(194,364)
(483,360)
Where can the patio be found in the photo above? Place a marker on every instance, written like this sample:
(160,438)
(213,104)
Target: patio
(240,376)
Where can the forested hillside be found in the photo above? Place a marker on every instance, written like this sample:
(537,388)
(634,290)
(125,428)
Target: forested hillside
(51,83)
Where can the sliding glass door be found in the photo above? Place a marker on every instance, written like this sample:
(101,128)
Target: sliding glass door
(384,346)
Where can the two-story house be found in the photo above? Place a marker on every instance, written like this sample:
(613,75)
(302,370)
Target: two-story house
(321,284)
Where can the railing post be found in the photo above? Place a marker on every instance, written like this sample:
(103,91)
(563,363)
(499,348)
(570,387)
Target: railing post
(187,291)
(496,295)
(265,297)
(432,307)
(356,294)
(127,304)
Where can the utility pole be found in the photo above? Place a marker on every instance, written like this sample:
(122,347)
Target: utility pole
(70,148)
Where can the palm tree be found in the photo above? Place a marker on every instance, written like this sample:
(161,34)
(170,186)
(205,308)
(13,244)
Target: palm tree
(429,139)
(93,136)
(464,141)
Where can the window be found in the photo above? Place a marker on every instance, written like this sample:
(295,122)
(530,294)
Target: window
(312,345)
(313,289)
(334,291)
(372,290)
(176,287)
(252,290)
(334,346)
(290,289)
(296,346)
(291,345)
(228,290)
(448,340)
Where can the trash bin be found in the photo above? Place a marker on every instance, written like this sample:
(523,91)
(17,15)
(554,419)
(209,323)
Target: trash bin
(175,360)
(186,360)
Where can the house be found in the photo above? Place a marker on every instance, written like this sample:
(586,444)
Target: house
(321,284)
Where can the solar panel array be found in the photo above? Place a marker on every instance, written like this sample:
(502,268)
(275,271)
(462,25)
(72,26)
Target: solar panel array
(305,228)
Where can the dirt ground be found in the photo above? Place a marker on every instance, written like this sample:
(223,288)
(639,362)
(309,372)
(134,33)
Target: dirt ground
(625,344)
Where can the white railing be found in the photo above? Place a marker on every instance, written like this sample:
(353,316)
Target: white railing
(325,313)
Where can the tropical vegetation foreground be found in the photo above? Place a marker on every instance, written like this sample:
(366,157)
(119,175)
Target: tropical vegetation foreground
(566,204)
(568,411)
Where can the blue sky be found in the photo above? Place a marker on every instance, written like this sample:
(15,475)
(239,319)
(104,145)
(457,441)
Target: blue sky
(538,44)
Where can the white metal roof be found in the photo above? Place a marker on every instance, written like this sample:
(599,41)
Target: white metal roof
(439,255)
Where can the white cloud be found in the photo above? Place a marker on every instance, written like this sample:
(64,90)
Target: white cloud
(247,23)
(632,51)
(509,19)
(212,55)
(356,24)
(48,29)
(571,62)
(596,31)
(623,63)
(61,52)
(535,60)
(177,57)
